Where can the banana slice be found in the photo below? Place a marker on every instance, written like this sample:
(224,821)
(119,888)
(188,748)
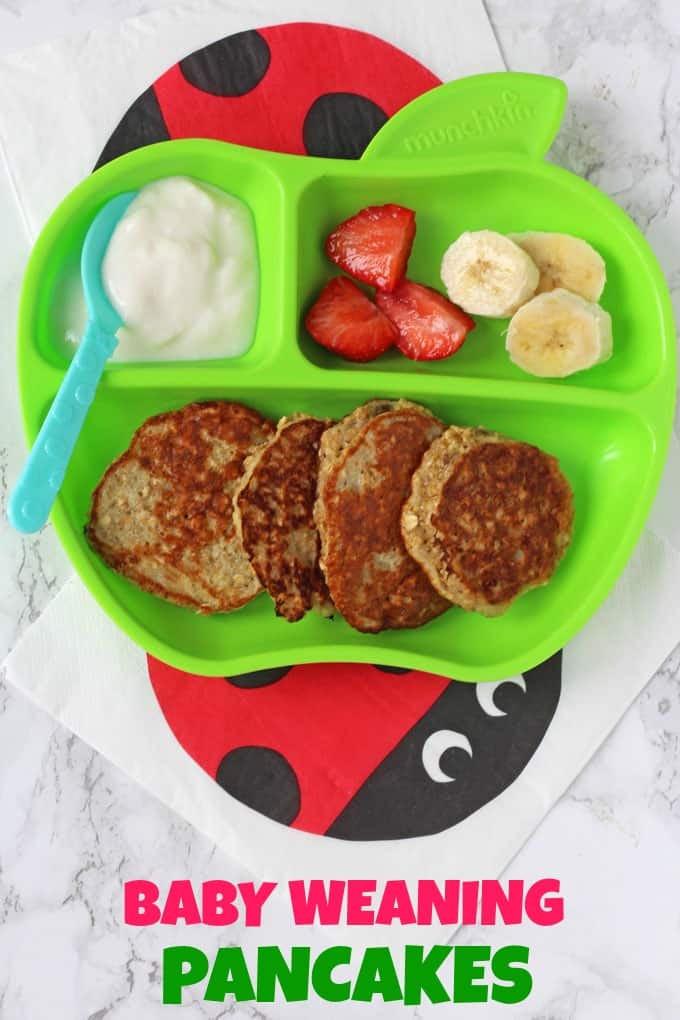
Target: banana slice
(488,274)
(565,261)
(558,333)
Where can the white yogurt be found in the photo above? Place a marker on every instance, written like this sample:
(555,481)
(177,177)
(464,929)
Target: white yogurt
(181,270)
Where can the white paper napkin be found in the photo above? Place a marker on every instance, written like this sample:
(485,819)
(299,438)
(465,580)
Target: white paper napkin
(74,662)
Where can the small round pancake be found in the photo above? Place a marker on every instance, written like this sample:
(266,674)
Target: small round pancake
(366,465)
(274,513)
(162,515)
(488,518)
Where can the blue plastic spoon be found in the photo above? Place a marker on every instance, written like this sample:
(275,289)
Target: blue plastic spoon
(44,470)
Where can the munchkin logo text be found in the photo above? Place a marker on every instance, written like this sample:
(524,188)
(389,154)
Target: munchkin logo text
(487,120)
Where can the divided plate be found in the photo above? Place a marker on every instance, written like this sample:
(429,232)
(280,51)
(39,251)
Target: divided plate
(465,156)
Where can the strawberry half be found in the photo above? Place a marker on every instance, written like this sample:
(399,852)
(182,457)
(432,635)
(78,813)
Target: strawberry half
(374,245)
(345,321)
(430,326)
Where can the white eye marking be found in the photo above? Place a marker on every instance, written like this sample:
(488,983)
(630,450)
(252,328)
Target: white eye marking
(485,693)
(433,749)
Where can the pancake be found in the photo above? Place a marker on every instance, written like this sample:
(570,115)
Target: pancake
(274,514)
(162,515)
(367,461)
(488,518)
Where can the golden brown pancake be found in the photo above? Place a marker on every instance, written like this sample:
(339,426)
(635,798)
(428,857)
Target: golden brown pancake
(366,465)
(275,517)
(162,515)
(488,518)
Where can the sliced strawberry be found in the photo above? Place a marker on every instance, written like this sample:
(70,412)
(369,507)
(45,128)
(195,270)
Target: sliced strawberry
(374,245)
(345,321)
(430,326)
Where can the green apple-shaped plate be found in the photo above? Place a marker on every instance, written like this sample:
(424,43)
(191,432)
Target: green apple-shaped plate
(465,156)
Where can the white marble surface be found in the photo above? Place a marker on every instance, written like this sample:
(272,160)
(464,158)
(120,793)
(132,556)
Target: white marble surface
(72,828)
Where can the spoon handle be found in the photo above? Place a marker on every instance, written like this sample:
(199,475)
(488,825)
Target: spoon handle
(44,470)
